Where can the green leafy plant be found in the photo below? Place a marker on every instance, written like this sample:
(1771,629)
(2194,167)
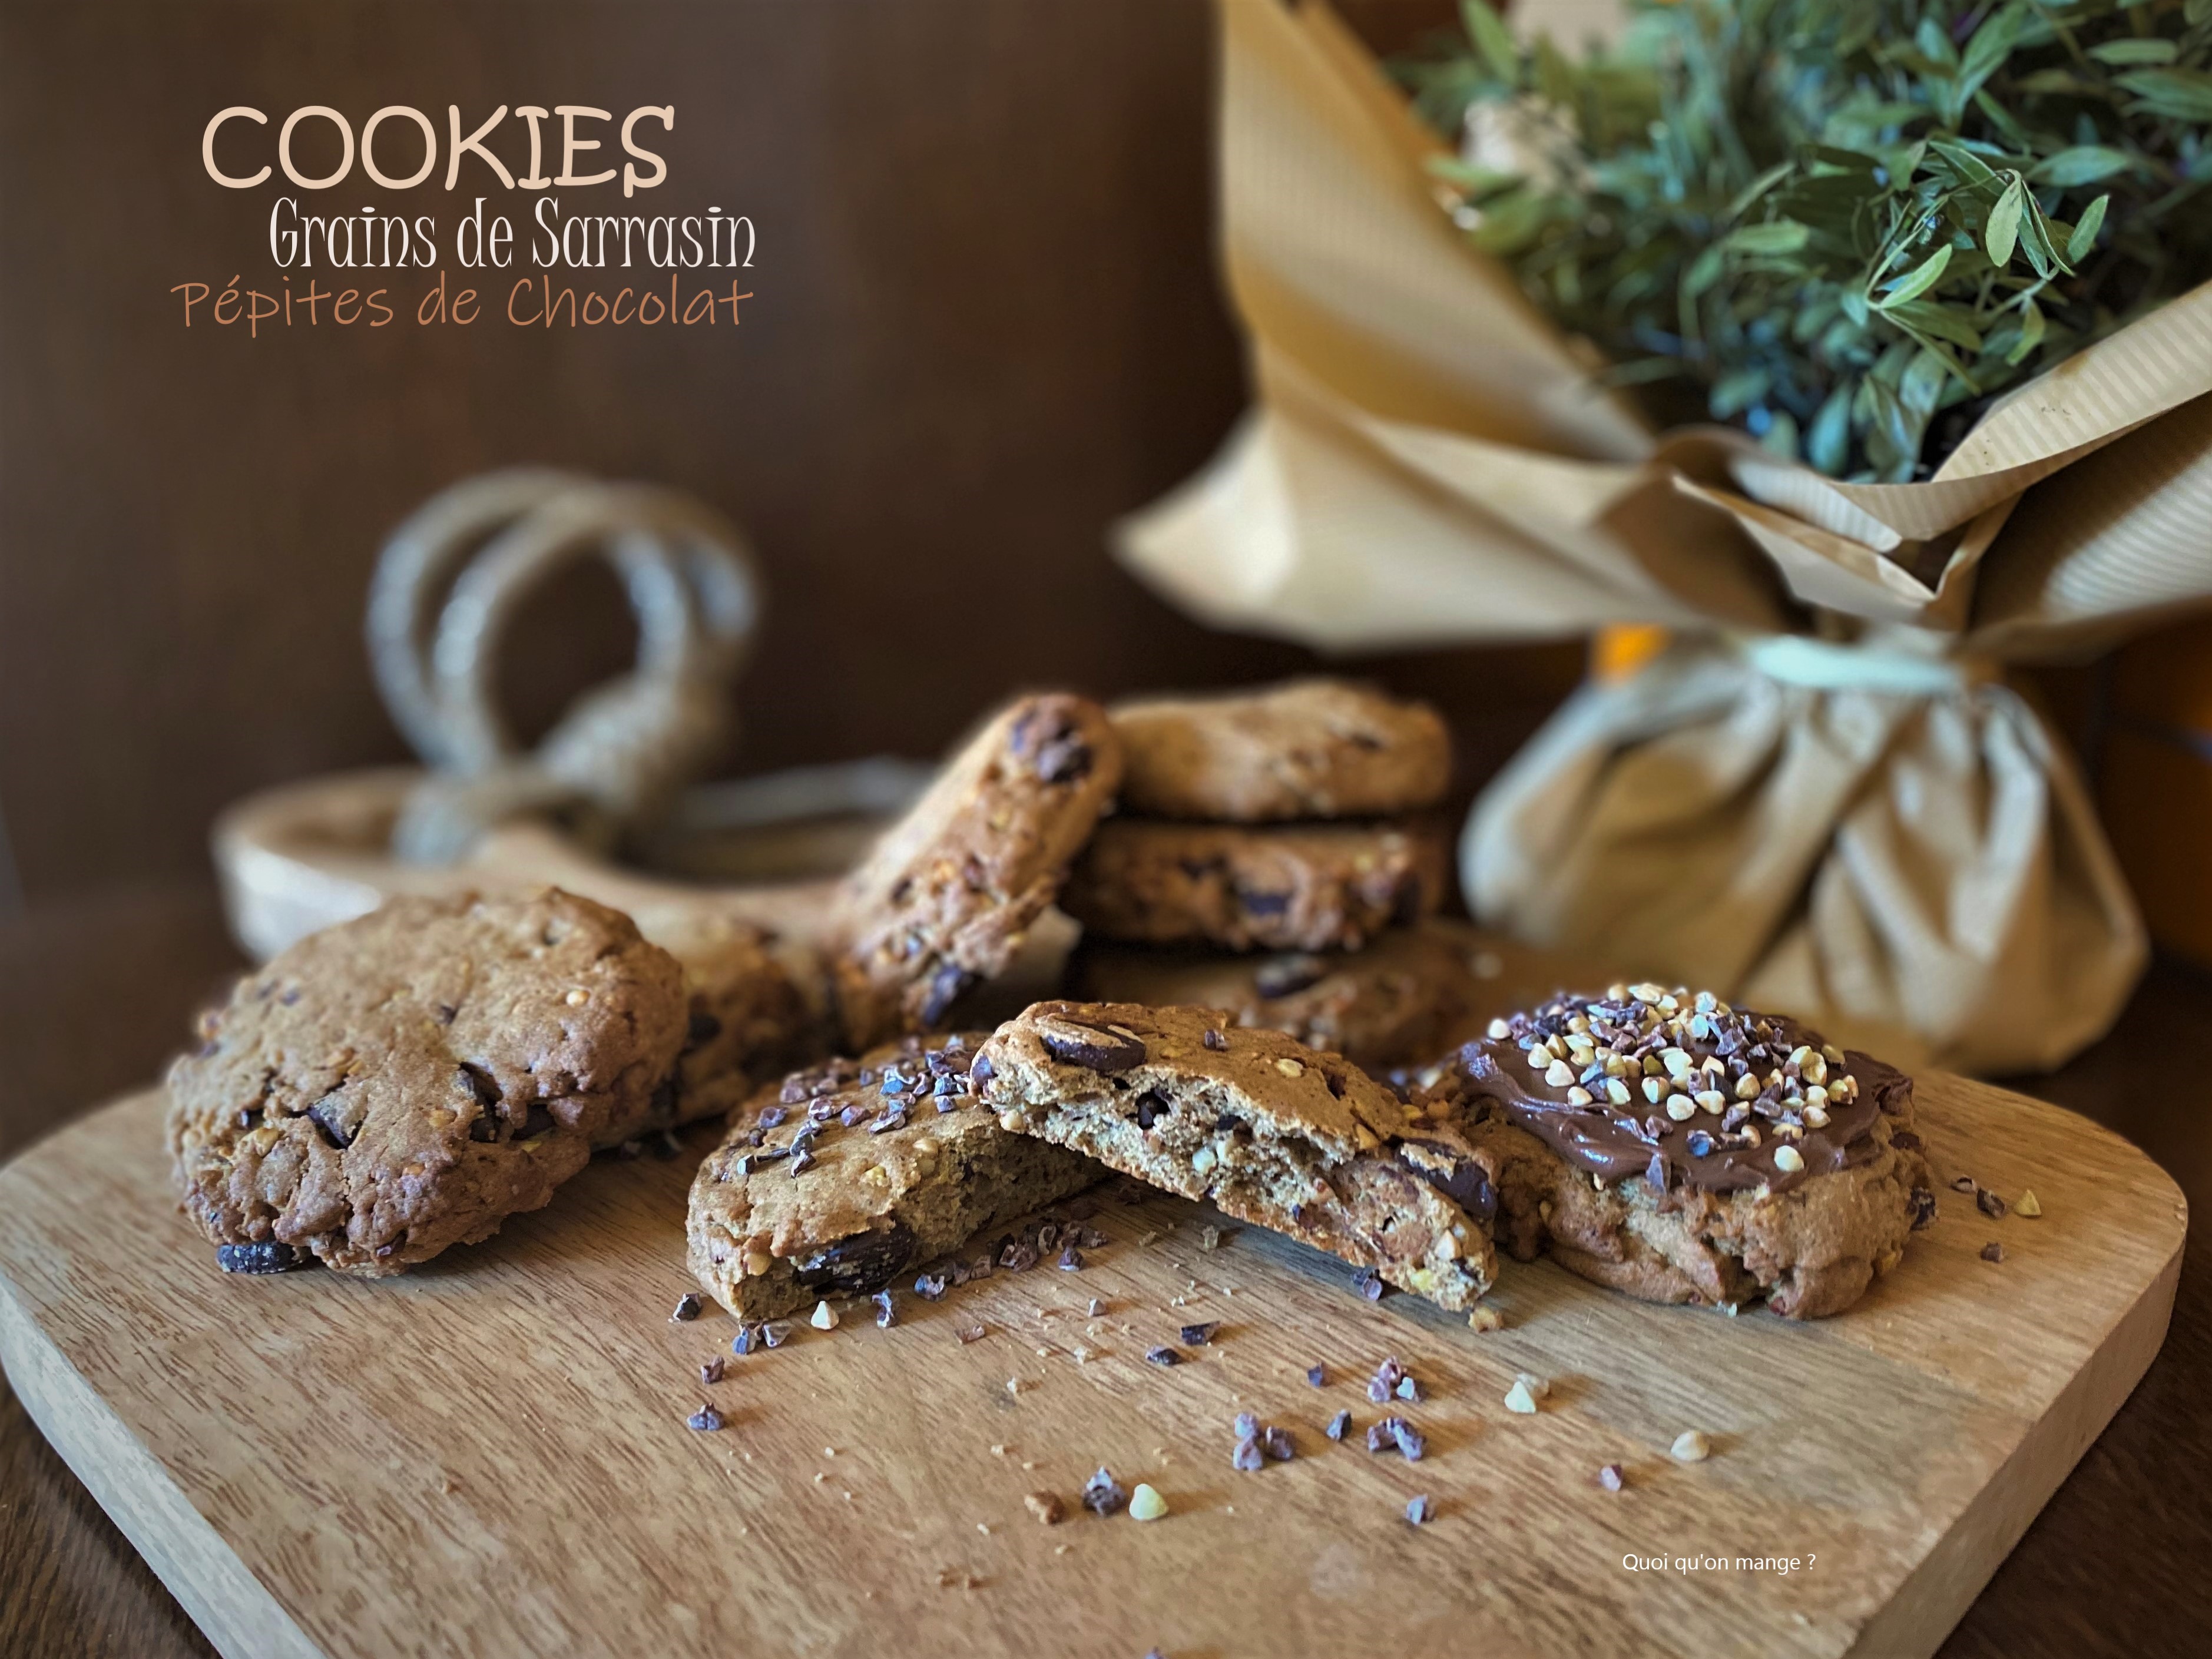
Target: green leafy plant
(1843,225)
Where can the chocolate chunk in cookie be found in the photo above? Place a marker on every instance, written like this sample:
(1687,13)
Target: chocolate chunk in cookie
(1318,887)
(947,895)
(1680,1150)
(1310,749)
(845,1177)
(1270,1131)
(399,1084)
(1398,1002)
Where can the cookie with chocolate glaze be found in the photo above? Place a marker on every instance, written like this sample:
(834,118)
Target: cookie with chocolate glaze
(949,893)
(1268,1130)
(1299,887)
(402,1083)
(1680,1150)
(1307,748)
(845,1176)
(1398,1001)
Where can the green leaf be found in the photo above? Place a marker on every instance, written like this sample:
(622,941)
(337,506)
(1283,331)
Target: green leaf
(1938,321)
(2085,233)
(1828,440)
(1492,40)
(1969,165)
(1704,271)
(2152,51)
(2001,233)
(1757,188)
(2178,94)
(2031,334)
(1918,280)
(2084,164)
(1778,236)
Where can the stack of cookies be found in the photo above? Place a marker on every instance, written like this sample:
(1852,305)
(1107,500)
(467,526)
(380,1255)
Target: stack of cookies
(1276,855)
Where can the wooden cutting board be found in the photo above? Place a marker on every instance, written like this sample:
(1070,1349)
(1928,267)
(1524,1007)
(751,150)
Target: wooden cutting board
(490,1458)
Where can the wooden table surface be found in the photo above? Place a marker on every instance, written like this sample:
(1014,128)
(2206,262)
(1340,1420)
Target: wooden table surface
(93,995)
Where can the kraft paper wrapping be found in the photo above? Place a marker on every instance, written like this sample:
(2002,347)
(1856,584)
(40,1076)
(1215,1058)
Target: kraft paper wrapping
(1822,798)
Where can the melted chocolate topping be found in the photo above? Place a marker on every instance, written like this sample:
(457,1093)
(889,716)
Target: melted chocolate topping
(1733,1089)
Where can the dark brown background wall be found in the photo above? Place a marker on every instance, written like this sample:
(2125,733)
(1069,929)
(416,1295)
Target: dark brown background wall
(986,323)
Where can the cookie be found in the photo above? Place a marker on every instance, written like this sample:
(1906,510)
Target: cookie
(1310,748)
(1682,1150)
(947,895)
(844,1178)
(401,1082)
(749,1018)
(1305,887)
(1398,1002)
(1268,1130)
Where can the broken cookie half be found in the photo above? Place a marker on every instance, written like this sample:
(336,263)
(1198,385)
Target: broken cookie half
(1269,1131)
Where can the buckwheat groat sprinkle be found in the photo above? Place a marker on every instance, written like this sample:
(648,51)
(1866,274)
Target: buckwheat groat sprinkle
(2028,1206)
(1145,1504)
(1691,1446)
(1669,1146)
(1418,1510)
(1610,1477)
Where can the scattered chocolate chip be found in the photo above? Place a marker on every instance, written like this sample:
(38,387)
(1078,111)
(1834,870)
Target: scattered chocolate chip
(325,1114)
(263,1256)
(1993,1251)
(706,1419)
(712,1372)
(1419,1510)
(1611,1477)
(1102,1493)
(1338,1425)
(1162,1357)
(687,1306)
(886,1316)
(1197,1336)
(946,986)
(1315,1375)
(1109,1053)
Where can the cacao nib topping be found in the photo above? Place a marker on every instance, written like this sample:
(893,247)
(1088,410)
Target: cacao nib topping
(1197,1336)
(1338,1425)
(1102,1493)
(1247,1456)
(706,1419)
(1256,902)
(1214,1040)
(1315,1375)
(1680,1089)
(771,1116)
(1923,1207)
(703,1028)
(263,1256)
(931,1287)
(1163,1358)
(1367,1283)
(687,1306)
(1107,1052)
(713,1372)
(886,1314)
(1419,1510)
(1048,738)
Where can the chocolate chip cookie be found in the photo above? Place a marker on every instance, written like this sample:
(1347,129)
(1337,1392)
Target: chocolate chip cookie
(1399,1001)
(399,1084)
(847,1175)
(1271,1132)
(947,895)
(1680,1150)
(1304,887)
(1310,748)
(749,1017)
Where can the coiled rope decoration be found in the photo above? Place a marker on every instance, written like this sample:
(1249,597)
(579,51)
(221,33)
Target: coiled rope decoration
(622,751)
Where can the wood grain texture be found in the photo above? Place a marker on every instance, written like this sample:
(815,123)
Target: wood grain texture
(382,1456)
